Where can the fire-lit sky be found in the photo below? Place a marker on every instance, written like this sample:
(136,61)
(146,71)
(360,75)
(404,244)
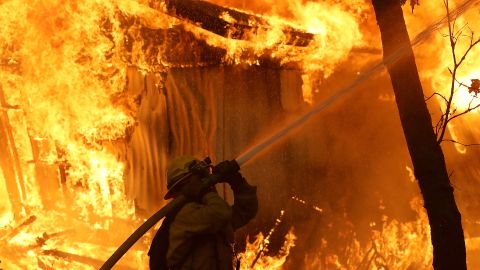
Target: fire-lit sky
(66,114)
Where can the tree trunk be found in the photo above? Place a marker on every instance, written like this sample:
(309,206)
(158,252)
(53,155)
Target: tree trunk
(426,154)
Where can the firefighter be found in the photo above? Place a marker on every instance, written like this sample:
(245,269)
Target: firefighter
(199,235)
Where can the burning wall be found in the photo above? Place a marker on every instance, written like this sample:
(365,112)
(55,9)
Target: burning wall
(71,132)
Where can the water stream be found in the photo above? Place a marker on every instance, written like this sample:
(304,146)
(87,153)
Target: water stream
(265,144)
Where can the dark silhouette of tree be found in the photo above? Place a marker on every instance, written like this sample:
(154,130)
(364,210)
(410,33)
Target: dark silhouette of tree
(427,156)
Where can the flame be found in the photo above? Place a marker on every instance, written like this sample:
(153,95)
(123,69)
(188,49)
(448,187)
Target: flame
(254,248)
(324,19)
(5,207)
(400,243)
(393,245)
(63,59)
(63,75)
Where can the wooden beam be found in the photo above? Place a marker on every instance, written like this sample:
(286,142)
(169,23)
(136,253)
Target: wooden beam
(81,259)
(9,161)
(13,232)
(241,25)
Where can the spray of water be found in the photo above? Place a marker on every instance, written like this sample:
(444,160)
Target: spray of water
(283,132)
(300,121)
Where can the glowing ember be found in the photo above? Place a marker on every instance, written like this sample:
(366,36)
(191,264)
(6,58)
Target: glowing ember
(314,207)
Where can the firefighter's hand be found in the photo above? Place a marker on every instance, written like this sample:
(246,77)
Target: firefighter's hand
(225,169)
(194,190)
(229,172)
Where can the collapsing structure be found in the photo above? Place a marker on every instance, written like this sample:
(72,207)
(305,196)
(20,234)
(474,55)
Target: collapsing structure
(178,98)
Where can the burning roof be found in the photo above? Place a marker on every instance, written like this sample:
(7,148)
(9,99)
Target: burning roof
(219,35)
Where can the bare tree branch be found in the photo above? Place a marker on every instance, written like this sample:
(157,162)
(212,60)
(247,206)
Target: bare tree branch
(450,113)
(461,83)
(463,144)
(459,33)
(439,124)
(436,94)
(463,113)
(472,44)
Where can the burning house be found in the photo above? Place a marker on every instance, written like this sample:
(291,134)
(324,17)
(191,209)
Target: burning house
(96,97)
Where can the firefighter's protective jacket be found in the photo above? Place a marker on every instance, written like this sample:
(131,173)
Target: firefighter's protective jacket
(201,234)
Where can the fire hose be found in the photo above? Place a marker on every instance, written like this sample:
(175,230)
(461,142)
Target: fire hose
(281,133)
(214,179)
(175,204)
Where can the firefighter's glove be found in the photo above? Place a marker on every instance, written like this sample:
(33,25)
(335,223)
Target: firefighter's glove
(225,169)
(237,182)
(194,190)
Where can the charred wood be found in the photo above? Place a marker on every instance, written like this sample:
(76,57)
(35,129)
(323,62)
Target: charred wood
(240,25)
(62,164)
(9,133)
(97,263)
(12,233)
(46,176)
(9,161)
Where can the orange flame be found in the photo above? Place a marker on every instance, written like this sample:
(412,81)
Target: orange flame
(265,261)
